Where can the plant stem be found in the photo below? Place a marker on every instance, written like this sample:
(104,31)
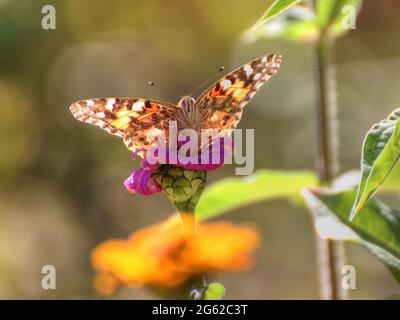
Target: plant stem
(330,253)
(327,163)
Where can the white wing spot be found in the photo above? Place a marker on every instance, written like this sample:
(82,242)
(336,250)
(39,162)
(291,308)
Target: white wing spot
(138,106)
(248,69)
(109,104)
(90,103)
(101,114)
(226,83)
(257,76)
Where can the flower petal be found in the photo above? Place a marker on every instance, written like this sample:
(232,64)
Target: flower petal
(165,255)
(141,181)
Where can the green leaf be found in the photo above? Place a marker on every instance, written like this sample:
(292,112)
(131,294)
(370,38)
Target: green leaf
(377,227)
(232,193)
(380,152)
(295,24)
(392,183)
(305,31)
(214,291)
(276,8)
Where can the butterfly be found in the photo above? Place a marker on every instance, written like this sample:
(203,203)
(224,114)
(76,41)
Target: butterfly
(220,107)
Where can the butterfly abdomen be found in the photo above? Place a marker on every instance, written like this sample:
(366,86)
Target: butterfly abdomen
(190,114)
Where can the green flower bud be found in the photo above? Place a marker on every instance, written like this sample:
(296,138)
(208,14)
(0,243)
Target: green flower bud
(183,187)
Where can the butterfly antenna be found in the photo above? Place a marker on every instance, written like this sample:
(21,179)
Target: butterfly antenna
(151,83)
(208,80)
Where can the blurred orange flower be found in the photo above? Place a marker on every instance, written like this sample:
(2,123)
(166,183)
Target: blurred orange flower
(165,255)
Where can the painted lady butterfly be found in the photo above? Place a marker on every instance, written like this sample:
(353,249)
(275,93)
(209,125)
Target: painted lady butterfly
(219,107)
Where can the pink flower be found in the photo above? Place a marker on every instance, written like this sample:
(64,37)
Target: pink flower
(210,158)
(140,181)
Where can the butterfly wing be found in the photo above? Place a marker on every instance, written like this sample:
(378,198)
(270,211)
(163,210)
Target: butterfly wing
(134,120)
(222,104)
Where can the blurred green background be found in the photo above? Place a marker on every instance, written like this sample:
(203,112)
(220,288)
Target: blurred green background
(61,189)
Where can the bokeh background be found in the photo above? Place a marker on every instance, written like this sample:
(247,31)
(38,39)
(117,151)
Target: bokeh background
(61,190)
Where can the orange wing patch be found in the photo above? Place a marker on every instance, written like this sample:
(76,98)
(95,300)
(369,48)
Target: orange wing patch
(129,118)
(222,104)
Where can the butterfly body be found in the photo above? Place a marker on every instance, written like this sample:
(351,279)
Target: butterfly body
(190,114)
(139,121)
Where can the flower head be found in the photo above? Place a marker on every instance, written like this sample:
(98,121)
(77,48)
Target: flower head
(165,255)
(209,157)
